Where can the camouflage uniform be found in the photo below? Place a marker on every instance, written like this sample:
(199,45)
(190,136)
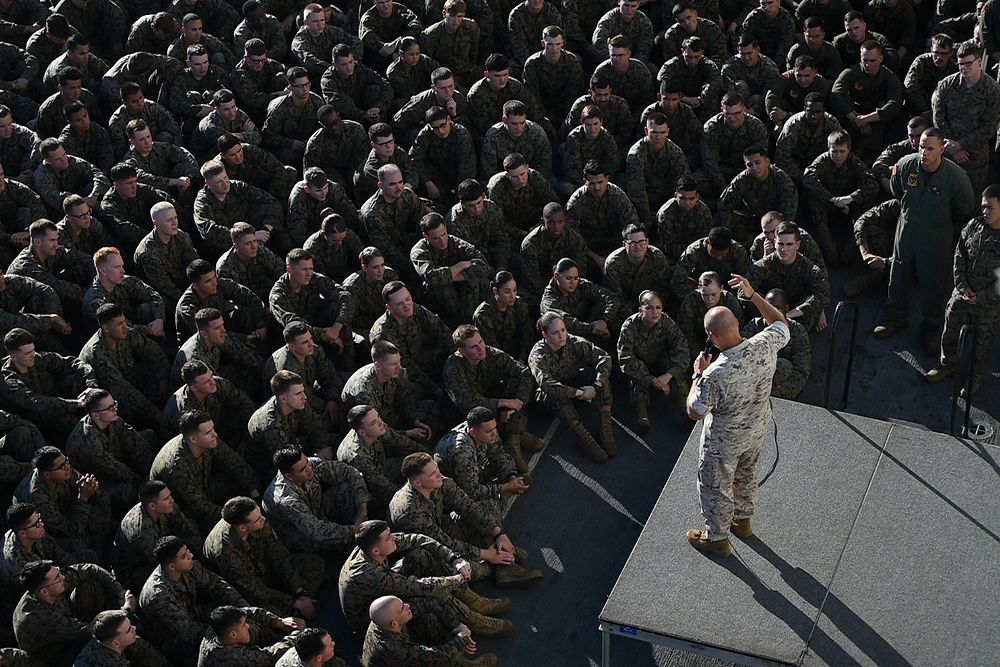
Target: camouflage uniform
(863,94)
(305,212)
(373,28)
(244,203)
(498,144)
(335,261)
(382,477)
(554,85)
(722,148)
(486,104)
(262,170)
(162,126)
(24,303)
(626,280)
(639,30)
(618,119)
(600,221)
(745,200)
(711,36)
(422,340)
(19,207)
(84,242)
(80,177)
(977,260)
(733,393)
(255,90)
(809,248)
(695,260)
(411,512)
(322,303)
(286,123)
(498,376)
(823,180)
(524,30)
(128,219)
(230,408)
(395,404)
(776,35)
(969,116)
(50,119)
(369,305)
(198,484)
(578,151)
(487,232)
(366,175)
(19,153)
(354,96)
(163,162)
(752,82)
(20,440)
(444,162)
(703,82)
(234,360)
(164,264)
(635,85)
(685,129)
(174,612)
(133,371)
(141,303)
(318,515)
(291,659)
(313,52)
(187,91)
(118,456)
(789,96)
(479,470)
(922,79)
(47,393)
(456,299)
(521,208)
(645,353)
(676,230)
(559,373)
(411,117)
(408,82)
(243,310)
(541,252)
(691,318)
(510,330)
(219,53)
(271,431)
(794,359)
(887,159)
(204,137)
(384,647)
(395,227)
(138,533)
(94,147)
(272,35)
(266,644)
(850,51)
(420,574)
(807,286)
(876,228)
(77,525)
(318,374)
(64,273)
(261,567)
(799,144)
(650,178)
(458,51)
(258,274)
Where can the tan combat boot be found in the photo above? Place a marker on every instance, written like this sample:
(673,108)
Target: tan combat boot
(515,576)
(641,417)
(513,447)
(741,528)
(484,605)
(485,660)
(487,626)
(587,443)
(608,432)
(531,442)
(699,540)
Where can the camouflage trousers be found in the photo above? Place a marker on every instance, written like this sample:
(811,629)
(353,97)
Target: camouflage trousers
(17,447)
(787,382)
(564,408)
(457,302)
(727,484)
(639,390)
(743,224)
(986,320)
(434,616)
(97,528)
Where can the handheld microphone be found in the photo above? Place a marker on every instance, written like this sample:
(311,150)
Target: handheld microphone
(708,351)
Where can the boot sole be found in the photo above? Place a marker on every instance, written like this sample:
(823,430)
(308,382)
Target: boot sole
(526,582)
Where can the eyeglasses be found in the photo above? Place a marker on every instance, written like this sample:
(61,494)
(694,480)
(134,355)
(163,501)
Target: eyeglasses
(81,216)
(637,244)
(967,63)
(300,85)
(33,525)
(113,407)
(257,59)
(59,577)
(63,466)
(387,142)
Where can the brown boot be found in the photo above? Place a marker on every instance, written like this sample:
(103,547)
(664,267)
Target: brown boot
(589,446)
(483,605)
(487,626)
(641,418)
(513,447)
(515,576)
(742,529)
(608,432)
(485,660)
(531,442)
(699,540)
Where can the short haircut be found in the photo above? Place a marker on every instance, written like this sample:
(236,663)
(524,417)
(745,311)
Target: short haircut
(969,48)
(226,142)
(435,113)
(463,333)
(633,228)
(595,168)
(379,130)
(382,349)
(67,74)
(814,98)
(17,338)
(150,491)
(854,14)
(192,370)
(804,62)
(479,415)
(296,255)
(754,149)
(191,420)
(283,381)
(413,465)
(546,320)
(368,533)
(496,62)
(310,644)
(551,210)
(695,44)
(91,397)
(710,278)
(441,74)
(732,99)
(122,172)
(73,109)
(167,548)
(838,138)
(357,414)
(514,161)
(108,312)
(49,146)
(204,316)
(992,192)
(686,184)
(515,108)
(918,122)
(430,222)
(104,253)
(391,288)
(789,227)
(340,51)
(720,238)
(238,509)
(284,459)
(71,201)
(293,330)
(470,190)
(18,515)
(106,623)
(872,45)
(197,269)
(748,39)
(239,230)
(135,126)
(368,253)
(33,575)
(619,42)
(39,228)
(591,111)
(222,96)
(212,168)
(813,22)
(315,177)
(223,618)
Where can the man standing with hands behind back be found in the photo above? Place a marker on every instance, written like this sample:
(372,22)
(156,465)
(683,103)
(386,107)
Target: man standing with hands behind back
(731,393)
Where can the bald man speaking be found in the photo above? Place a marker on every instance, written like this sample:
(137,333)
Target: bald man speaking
(731,393)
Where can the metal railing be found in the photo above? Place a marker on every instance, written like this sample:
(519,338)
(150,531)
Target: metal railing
(968,341)
(843,306)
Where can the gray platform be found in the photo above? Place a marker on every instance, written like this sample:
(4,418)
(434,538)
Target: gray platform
(875,544)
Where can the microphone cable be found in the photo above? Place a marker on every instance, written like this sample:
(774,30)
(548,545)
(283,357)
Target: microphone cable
(777,454)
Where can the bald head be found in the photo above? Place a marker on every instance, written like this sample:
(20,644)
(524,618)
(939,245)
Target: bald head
(384,610)
(721,322)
